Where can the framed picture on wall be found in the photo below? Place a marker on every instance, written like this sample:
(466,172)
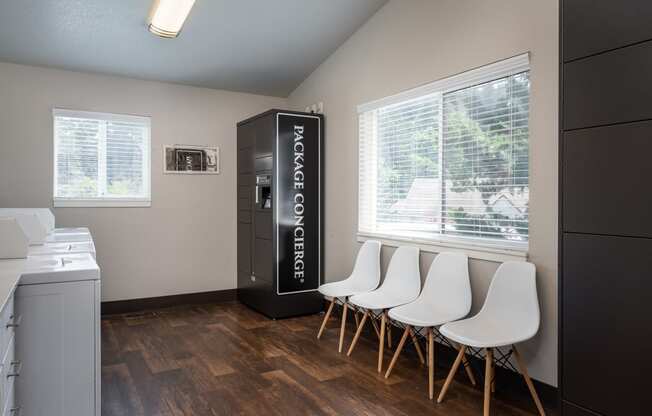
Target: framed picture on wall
(191,159)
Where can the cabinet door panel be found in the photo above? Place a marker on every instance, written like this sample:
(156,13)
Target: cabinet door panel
(246,136)
(594,26)
(606,297)
(56,345)
(265,135)
(263,259)
(246,160)
(245,202)
(606,177)
(244,247)
(244,280)
(244,190)
(614,87)
(264,225)
(244,216)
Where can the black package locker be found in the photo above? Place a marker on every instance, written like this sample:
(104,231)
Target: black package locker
(280,182)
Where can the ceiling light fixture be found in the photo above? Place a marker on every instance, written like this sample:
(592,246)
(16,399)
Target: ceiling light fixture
(167,17)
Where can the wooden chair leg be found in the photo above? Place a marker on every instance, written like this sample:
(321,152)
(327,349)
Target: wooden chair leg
(381,343)
(389,335)
(431,364)
(468,370)
(523,369)
(343,326)
(357,320)
(415,341)
(487,381)
(328,315)
(358,332)
(451,374)
(398,350)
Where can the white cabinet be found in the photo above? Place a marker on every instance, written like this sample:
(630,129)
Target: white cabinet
(10,368)
(57,345)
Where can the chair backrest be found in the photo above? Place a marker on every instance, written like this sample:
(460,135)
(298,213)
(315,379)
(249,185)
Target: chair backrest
(447,285)
(366,271)
(512,296)
(403,279)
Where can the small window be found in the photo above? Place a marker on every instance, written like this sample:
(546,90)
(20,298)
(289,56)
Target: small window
(447,163)
(101,159)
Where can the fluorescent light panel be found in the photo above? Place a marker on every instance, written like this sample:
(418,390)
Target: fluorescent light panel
(167,17)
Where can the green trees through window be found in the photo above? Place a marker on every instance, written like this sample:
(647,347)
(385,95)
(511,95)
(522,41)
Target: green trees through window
(101,156)
(452,163)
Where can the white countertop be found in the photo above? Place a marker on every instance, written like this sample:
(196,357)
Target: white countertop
(10,272)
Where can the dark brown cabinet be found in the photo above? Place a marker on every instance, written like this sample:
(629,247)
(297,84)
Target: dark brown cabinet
(605,244)
(607,171)
(609,88)
(607,331)
(594,26)
(279,242)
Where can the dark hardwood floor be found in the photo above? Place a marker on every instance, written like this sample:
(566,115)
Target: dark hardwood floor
(225,359)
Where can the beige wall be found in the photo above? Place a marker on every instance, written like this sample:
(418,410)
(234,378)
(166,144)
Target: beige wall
(186,241)
(409,43)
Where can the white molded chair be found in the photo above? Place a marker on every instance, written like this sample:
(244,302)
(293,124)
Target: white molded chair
(510,315)
(402,285)
(364,278)
(446,297)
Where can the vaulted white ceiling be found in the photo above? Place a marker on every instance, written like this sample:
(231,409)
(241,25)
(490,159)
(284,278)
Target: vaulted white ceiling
(258,46)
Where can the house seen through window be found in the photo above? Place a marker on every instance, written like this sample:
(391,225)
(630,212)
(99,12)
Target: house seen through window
(450,164)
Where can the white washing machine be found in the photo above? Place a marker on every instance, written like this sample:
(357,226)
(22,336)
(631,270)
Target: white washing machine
(57,268)
(39,225)
(45,215)
(64,248)
(58,341)
(30,223)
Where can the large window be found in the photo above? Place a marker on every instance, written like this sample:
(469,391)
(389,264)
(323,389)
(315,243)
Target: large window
(447,163)
(101,159)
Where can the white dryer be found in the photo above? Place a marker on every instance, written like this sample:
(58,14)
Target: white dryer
(58,341)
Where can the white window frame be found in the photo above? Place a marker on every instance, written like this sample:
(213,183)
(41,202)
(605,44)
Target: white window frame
(477,248)
(104,202)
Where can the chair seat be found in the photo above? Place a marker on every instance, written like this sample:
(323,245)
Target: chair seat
(423,314)
(341,289)
(487,332)
(378,299)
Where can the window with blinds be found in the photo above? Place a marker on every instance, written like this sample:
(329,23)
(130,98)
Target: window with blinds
(448,162)
(101,159)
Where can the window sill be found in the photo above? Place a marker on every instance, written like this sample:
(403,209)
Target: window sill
(497,254)
(102,203)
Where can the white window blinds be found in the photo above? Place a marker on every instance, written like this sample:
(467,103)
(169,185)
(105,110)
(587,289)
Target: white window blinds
(101,159)
(399,167)
(448,162)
